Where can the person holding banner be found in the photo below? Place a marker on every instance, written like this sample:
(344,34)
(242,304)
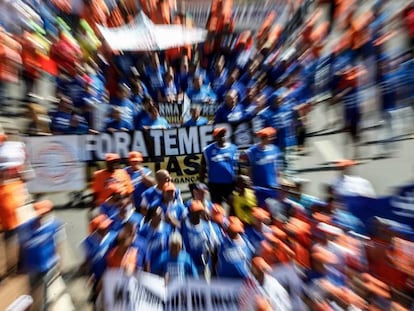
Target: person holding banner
(234,253)
(196,118)
(199,93)
(230,111)
(155,232)
(153,120)
(262,283)
(175,263)
(198,237)
(219,164)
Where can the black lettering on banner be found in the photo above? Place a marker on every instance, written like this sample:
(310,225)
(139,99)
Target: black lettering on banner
(173,166)
(192,163)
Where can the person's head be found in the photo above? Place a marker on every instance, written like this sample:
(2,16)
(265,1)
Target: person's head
(116,113)
(147,103)
(196,211)
(345,166)
(235,227)
(122,91)
(243,182)
(199,191)
(162,177)
(153,113)
(219,135)
(266,135)
(251,91)
(259,267)
(100,224)
(136,87)
(219,65)
(168,192)
(197,82)
(184,64)
(65,105)
(231,98)
(275,100)
(135,159)
(232,77)
(168,78)
(328,232)
(155,61)
(195,112)
(175,244)
(112,161)
(260,216)
(252,67)
(154,215)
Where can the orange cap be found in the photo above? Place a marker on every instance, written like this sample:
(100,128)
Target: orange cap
(324,256)
(345,163)
(99,222)
(271,238)
(235,225)
(135,156)
(261,264)
(169,186)
(196,206)
(112,157)
(43,207)
(218,213)
(219,131)
(262,304)
(278,233)
(267,132)
(260,214)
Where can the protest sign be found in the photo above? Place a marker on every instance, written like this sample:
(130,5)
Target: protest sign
(57,164)
(145,291)
(59,161)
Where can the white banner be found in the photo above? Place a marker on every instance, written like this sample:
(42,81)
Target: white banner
(143,35)
(148,292)
(57,164)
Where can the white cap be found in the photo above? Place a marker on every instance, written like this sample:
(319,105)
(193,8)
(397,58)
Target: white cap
(329,229)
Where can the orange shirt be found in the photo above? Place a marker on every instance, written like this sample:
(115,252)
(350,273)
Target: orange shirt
(12,196)
(126,260)
(103,178)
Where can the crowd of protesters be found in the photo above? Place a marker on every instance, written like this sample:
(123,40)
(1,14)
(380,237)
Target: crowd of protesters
(292,251)
(246,222)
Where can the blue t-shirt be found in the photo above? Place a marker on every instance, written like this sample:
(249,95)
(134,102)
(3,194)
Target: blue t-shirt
(139,186)
(264,165)
(254,237)
(156,240)
(153,196)
(233,258)
(196,241)
(96,250)
(60,122)
(128,110)
(159,122)
(119,223)
(199,122)
(109,210)
(221,163)
(218,81)
(177,268)
(224,114)
(201,96)
(118,125)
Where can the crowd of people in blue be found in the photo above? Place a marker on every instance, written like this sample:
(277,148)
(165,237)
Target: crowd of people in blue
(245,221)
